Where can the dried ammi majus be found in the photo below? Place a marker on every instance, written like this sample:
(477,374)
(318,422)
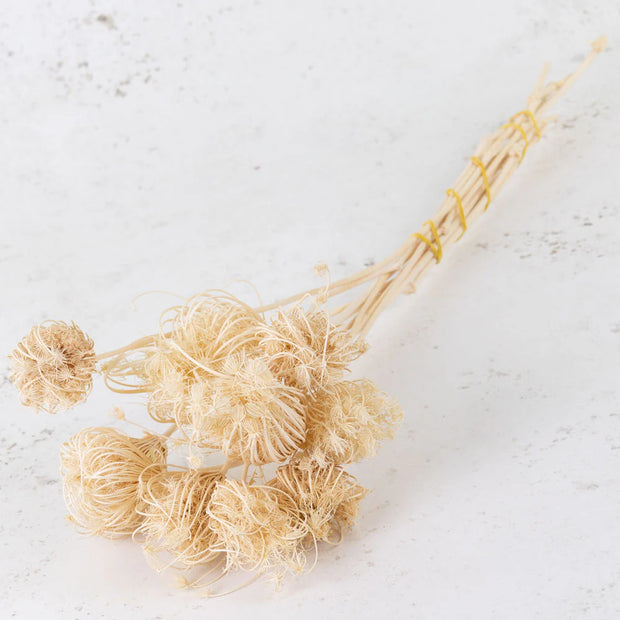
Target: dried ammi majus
(53,366)
(253,416)
(101,470)
(327,497)
(347,423)
(307,350)
(264,387)
(258,527)
(174,516)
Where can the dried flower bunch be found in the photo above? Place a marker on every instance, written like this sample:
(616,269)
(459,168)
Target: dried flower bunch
(260,386)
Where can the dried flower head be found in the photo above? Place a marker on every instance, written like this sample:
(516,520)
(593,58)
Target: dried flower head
(196,339)
(307,350)
(346,423)
(52,367)
(258,527)
(328,497)
(101,468)
(200,334)
(175,516)
(249,413)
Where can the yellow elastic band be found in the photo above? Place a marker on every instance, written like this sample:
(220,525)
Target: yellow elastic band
(435,249)
(531,117)
(523,135)
(459,204)
(483,170)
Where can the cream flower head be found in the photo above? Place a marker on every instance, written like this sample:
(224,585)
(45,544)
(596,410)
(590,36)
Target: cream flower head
(327,497)
(250,414)
(307,350)
(101,468)
(259,527)
(174,507)
(346,423)
(52,367)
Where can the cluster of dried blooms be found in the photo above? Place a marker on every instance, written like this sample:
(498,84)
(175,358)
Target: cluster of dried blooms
(260,386)
(257,390)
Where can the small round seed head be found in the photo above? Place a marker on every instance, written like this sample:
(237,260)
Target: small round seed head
(327,497)
(174,507)
(307,350)
(101,468)
(53,366)
(346,423)
(250,414)
(258,527)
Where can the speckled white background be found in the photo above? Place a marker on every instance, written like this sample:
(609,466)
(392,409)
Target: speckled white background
(180,145)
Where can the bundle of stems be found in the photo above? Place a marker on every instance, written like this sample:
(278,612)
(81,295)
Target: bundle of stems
(261,386)
(493,163)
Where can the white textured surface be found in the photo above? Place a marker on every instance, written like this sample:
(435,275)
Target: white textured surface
(180,145)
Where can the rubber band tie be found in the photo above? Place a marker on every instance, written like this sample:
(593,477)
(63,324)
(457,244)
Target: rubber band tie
(483,170)
(531,117)
(523,135)
(436,248)
(459,204)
